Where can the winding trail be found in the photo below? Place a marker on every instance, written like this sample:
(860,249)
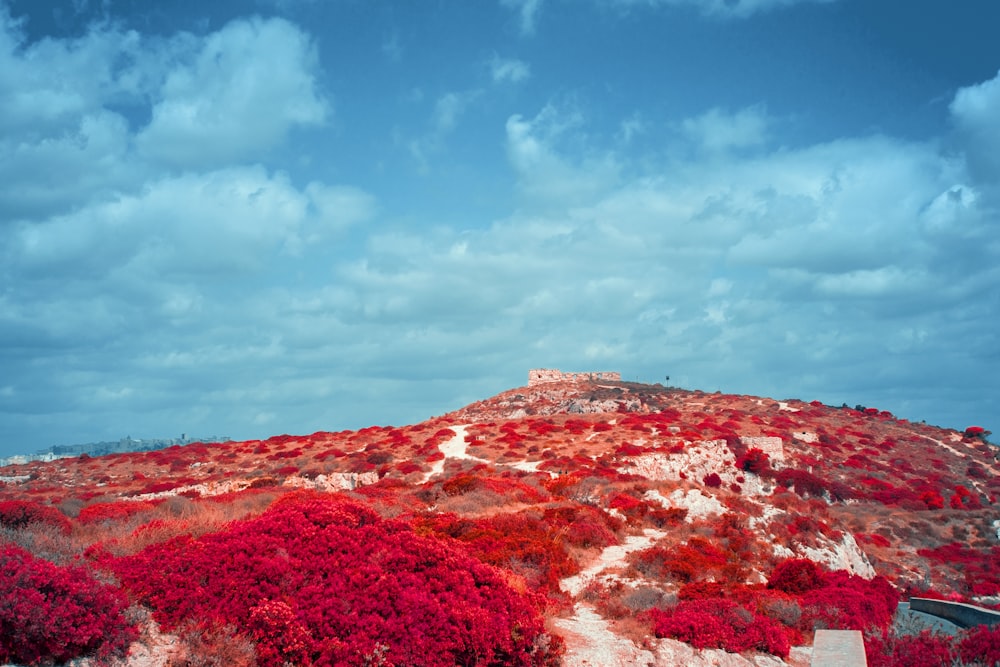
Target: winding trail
(453,448)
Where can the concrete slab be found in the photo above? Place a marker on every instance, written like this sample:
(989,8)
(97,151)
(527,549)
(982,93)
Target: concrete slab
(839,648)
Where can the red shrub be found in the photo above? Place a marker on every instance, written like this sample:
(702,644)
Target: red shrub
(54,614)
(628,449)
(322,580)
(408,467)
(754,460)
(712,480)
(965,499)
(932,499)
(849,602)
(925,649)
(522,543)
(796,575)
(980,646)
(116,511)
(583,526)
(979,567)
(19,514)
(719,623)
(874,539)
(693,561)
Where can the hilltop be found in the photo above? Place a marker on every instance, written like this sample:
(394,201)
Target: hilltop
(612,519)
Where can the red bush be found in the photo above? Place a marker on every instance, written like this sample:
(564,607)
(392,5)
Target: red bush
(849,602)
(932,499)
(324,581)
(719,623)
(965,499)
(754,460)
(712,480)
(796,575)
(695,560)
(54,614)
(980,646)
(522,543)
(979,567)
(19,514)
(116,511)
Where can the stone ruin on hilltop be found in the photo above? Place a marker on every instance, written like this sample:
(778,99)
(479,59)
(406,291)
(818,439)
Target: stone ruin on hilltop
(543,375)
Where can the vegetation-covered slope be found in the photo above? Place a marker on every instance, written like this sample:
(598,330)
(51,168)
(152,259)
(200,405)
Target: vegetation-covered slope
(488,535)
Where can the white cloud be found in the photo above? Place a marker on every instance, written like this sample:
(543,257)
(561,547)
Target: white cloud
(50,84)
(717,131)
(509,69)
(50,175)
(239,95)
(339,207)
(448,110)
(544,174)
(527,13)
(631,127)
(231,220)
(975,111)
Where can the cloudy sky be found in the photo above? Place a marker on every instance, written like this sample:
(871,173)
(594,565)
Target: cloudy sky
(253,217)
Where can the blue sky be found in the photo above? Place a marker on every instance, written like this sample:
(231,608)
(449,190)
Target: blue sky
(251,218)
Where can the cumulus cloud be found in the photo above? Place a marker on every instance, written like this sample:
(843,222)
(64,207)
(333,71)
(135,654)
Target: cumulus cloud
(717,131)
(527,11)
(448,110)
(216,222)
(509,69)
(975,111)
(543,173)
(242,91)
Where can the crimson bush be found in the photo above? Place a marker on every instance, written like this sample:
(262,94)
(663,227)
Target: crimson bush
(53,614)
(719,623)
(317,580)
(22,513)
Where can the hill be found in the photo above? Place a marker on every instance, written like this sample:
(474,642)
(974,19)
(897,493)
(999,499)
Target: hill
(572,521)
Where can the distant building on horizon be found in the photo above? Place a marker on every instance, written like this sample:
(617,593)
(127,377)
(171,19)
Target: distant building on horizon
(543,375)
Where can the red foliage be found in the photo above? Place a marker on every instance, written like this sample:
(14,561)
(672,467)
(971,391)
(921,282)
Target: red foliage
(697,559)
(583,526)
(755,460)
(977,646)
(18,514)
(925,649)
(980,567)
(719,623)
(965,499)
(849,602)
(628,449)
(874,539)
(522,543)
(54,614)
(796,575)
(980,646)
(323,581)
(712,480)
(932,499)
(117,511)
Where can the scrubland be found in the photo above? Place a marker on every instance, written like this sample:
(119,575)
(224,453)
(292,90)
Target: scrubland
(732,524)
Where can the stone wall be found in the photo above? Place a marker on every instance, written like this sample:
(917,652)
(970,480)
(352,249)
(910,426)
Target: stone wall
(961,614)
(541,375)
